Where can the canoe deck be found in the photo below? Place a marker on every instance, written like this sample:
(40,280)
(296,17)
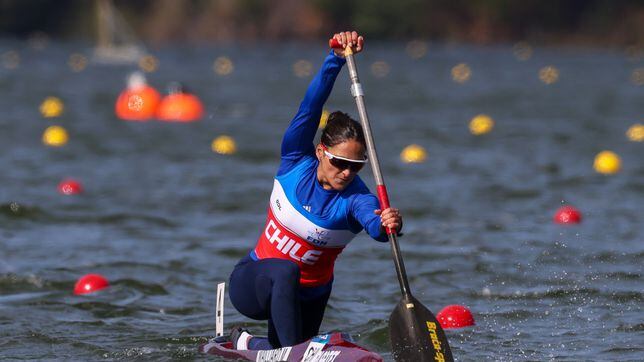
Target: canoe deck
(332,347)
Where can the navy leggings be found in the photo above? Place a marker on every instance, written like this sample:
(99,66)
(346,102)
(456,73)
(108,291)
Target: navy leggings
(270,289)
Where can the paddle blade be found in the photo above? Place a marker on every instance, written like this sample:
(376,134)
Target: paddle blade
(416,335)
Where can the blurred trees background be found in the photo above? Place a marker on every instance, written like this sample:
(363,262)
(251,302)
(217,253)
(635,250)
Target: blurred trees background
(597,22)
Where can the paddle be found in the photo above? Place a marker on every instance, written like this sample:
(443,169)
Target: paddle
(415,334)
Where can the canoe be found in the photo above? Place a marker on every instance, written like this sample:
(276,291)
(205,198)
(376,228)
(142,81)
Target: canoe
(332,347)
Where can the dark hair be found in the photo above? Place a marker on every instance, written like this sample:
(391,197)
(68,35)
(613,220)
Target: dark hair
(340,128)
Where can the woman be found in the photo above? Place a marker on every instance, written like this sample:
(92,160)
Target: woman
(318,204)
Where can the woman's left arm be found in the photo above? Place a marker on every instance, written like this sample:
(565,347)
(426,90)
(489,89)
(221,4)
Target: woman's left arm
(298,138)
(365,209)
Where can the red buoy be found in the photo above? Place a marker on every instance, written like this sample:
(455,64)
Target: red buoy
(90,283)
(70,187)
(180,106)
(139,101)
(567,215)
(455,316)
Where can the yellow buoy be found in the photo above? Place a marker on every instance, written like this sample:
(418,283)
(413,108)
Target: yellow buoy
(481,124)
(223,66)
(549,74)
(55,136)
(607,163)
(637,77)
(413,154)
(416,49)
(149,63)
(302,68)
(380,69)
(224,145)
(51,107)
(461,73)
(522,50)
(636,133)
(77,62)
(11,59)
(323,118)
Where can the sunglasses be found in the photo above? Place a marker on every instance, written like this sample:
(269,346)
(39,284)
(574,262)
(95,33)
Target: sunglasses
(342,163)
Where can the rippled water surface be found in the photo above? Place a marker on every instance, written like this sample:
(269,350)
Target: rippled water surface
(164,218)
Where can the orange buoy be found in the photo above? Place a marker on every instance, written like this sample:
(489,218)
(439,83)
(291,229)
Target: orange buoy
(180,106)
(139,101)
(90,283)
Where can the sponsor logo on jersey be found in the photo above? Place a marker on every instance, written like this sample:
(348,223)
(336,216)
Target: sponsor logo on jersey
(318,237)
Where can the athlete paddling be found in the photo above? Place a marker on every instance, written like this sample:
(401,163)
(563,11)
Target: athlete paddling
(317,206)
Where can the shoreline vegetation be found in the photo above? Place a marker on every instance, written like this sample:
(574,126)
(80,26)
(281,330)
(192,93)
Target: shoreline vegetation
(547,22)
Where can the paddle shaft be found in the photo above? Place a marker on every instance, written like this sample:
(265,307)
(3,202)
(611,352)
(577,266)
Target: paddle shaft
(358,94)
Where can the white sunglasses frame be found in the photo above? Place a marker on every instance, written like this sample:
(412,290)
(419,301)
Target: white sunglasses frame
(332,156)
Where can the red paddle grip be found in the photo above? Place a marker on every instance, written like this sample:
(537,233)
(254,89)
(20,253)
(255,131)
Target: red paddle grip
(383,197)
(334,43)
(384,202)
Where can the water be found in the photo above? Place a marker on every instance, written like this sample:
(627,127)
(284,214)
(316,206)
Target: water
(164,218)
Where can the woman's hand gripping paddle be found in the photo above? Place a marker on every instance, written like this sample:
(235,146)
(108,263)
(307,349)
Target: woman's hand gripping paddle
(415,334)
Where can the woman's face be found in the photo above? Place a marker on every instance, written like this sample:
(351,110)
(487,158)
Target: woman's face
(337,174)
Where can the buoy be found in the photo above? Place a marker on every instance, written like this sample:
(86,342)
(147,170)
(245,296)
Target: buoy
(413,154)
(607,163)
(416,49)
(635,133)
(70,187)
(224,145)
(302,68)
(180,106)
(522,50)
(77,62)
(90,283)
(481,124)
(139,101)
(461,73)
(637,77)
(567,215)
(55,136)
(149,63)
(223,66)
(455,316)
(51,107)
(549,74)
(10,59)
(380,69)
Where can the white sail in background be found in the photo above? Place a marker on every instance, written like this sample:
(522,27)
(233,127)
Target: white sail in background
(116,42)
